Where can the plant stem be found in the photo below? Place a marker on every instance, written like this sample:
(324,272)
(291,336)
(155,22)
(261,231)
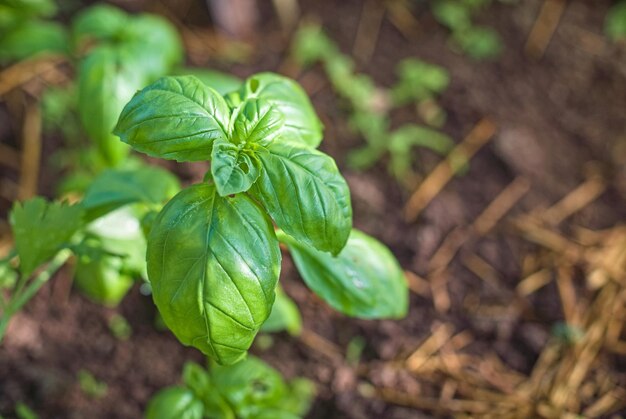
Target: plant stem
(20,298)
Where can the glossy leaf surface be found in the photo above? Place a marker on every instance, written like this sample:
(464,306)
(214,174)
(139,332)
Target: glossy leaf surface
(175,118)
(306,195)
(364,280)
(213,263)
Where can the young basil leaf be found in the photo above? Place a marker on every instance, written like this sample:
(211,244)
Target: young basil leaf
(41,228)
(174,118)
(213,264)
(101,22)
(364,280)
(234,169)
(30,38)
(256,121)
(107,81)
(175,403)
(301,121)
(305,194)
(116,188)
(101,279)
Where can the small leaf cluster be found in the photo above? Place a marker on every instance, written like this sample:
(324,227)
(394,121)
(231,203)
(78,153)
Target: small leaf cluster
(104,232)
(249,389)
(418,82)
(213,256)
(478,42)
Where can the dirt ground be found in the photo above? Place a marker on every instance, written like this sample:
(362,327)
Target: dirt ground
(559,123)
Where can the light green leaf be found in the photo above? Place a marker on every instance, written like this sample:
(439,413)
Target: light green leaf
(301,121)
(256,122)
(305,194)
(213,288)
(41,229)
(174,118)
(106,82)
(116,188)
(284,316)
(31,38)
(364,280)
(478,42)
(175,403)
(101,22)
(234,169)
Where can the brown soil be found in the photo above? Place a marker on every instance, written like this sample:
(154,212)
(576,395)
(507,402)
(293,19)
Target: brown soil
(559,119)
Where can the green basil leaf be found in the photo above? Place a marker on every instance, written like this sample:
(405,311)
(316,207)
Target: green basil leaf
(213,264)
(32,37)
(101,22)
(101,279)
(364,280)
(305,194)
(175,403)
(116,188)
(256,121)
(174,118)
(106,82)
(301,121)
(234,169)
(156,43)
(41,229)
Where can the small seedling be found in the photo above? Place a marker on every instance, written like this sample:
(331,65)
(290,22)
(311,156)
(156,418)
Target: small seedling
(119,327)
(479,42)
(419,83)
(615,23)
(90,385)
(249,389)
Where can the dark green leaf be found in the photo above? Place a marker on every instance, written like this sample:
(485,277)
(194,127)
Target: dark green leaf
(213,264)
(234,169)
(301,121)
(115,188)
(106,82)
(364,280)
(175,118)
(31,38)
(175,403)
(305,194)
(41,229)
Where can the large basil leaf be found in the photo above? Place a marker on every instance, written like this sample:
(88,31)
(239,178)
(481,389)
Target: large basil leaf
(175,403)
(305,194)
(115,188)
(107,81)
(301,121)
(174,118)
(256,122)
(364,280)
(213,263)
(234,169)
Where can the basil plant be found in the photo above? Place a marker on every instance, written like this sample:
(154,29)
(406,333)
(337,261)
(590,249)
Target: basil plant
(213,255)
